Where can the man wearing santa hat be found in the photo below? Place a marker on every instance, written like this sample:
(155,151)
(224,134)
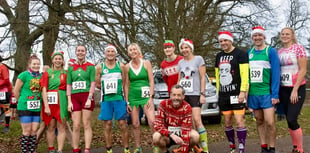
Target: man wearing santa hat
(264,87)
(232,74)
(109,78)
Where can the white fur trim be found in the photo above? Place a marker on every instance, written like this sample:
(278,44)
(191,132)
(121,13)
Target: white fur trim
(112,47)
(186,42)
(258,31)
(226,36)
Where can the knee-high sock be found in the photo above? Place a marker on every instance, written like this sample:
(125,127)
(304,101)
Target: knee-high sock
(230,134)
(297,139)
(24,143)
(32,143)
(241,133)
(203,139)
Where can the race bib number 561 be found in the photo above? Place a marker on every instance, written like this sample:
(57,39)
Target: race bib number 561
(175,130)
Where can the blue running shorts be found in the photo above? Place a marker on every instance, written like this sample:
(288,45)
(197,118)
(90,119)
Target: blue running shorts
(29,119)
(259,101)
(118,109)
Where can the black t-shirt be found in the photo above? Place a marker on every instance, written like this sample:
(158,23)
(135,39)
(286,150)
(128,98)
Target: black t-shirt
(229,72)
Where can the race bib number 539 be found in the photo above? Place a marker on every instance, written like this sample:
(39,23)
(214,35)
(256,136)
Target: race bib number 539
(256,74)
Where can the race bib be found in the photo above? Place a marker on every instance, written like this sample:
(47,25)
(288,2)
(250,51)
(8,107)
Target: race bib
(14,100)
(52,98)
(79,85)
(175,130)
(256,74)
(145,92)
(33,104)
(110,86)
(286,79)
(187,84)
(234,100)
(2,96)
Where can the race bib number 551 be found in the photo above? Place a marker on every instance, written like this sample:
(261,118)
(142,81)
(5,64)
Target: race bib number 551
(33,104)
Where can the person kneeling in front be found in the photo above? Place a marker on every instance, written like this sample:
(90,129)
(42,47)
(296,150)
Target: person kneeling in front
(173,123)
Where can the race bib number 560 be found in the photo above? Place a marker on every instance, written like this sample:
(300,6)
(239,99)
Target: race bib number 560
(187,84)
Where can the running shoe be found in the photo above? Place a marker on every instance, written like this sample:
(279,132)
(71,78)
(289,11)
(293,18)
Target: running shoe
(109,151)
(156,149)
(126,150)
(138,150)
(6,129)
(232,150)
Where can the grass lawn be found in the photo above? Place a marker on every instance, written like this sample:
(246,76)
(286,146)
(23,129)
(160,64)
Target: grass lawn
(10,141)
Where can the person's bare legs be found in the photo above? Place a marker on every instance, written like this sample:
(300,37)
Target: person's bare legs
(50,134)
(136,125)
(61,134)
(124,132)
(108,133)
(76,119)
(88,133)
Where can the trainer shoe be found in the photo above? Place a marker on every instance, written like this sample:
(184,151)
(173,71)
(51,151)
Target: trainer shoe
(264,151)
(6,129)
(138,150)
(126,150)
(109,151)
(232,150)
(156,149)
(198,149)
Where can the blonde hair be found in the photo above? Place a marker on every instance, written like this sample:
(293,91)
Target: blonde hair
(136,45)
(294,40)
(62,68)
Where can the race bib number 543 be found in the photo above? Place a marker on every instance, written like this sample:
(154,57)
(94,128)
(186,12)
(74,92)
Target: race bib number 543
(79,85)
(175,130)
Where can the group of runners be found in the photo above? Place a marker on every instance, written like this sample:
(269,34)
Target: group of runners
(259,79)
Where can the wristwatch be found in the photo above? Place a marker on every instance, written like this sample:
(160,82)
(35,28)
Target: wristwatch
(90,97)
(203,94)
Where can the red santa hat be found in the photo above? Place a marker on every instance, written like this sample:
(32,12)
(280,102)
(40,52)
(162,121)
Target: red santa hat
(188,42)
(226,35)
(112,47)
(258,29)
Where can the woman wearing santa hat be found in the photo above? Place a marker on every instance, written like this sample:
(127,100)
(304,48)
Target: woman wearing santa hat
(232,75)
(293,60)
(192,76)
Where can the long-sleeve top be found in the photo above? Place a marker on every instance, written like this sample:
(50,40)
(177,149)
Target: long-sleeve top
(168,116)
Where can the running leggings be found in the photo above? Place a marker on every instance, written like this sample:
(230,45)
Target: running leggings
(292,110)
